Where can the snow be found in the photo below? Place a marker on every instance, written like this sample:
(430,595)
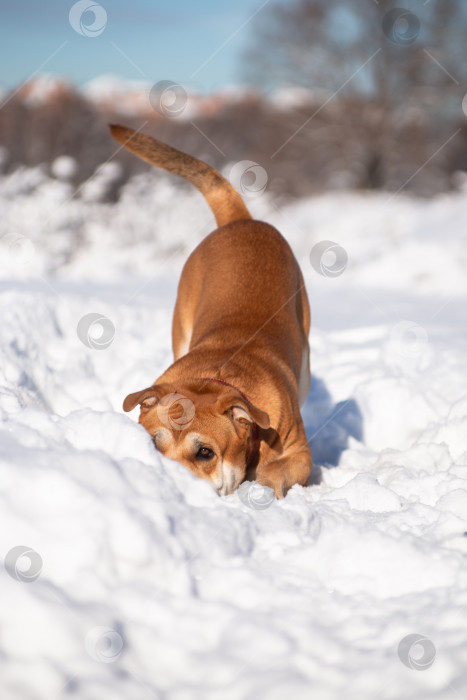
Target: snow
(140,582)
(42,89)
(64,168)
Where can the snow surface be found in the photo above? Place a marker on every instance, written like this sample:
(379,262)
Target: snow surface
(146,584)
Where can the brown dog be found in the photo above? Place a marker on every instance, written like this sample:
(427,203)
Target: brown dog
(228,408)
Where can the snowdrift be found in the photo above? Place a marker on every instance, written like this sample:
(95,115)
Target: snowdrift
(126,577)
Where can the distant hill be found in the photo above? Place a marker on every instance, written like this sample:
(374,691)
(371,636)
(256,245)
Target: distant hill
(307,141)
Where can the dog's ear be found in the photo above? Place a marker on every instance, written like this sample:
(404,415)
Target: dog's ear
(244,411)
(250,414)
(146,398)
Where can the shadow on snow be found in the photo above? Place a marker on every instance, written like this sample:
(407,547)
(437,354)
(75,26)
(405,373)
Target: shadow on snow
(328,426)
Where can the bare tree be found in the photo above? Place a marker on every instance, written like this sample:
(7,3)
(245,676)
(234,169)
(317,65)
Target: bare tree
(363,47)
(397,74)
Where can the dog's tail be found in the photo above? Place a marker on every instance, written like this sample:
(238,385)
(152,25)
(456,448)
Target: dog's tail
(224,200)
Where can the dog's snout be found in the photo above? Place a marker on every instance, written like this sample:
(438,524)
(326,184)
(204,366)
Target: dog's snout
(228,479)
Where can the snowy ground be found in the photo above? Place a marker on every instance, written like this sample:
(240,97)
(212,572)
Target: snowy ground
(138,581)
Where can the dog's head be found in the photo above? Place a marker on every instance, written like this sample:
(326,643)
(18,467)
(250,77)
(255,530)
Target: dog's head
(206,427)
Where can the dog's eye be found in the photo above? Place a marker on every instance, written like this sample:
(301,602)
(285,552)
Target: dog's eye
(204,453)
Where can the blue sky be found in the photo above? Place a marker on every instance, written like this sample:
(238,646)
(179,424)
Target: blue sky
(143,40)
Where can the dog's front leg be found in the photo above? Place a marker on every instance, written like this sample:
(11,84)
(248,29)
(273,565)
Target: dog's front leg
(283,473)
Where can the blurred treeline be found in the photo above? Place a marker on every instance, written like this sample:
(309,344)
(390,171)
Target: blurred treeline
(357,94)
